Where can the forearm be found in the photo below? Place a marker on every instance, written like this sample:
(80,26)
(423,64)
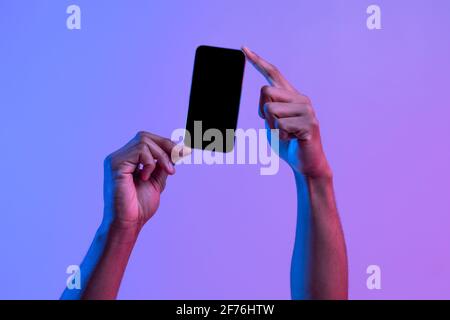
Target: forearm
(104,265)
(319,264)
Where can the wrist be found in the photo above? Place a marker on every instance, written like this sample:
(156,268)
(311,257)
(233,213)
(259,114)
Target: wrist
(321,173)
(323,177)
(317,187)
(323,181)
(321,195)
(120,232)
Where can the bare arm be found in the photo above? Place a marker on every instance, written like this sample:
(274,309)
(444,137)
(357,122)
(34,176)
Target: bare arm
(135,176)
(319,261)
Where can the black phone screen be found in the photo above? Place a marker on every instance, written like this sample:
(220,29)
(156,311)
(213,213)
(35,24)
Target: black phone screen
(214,99)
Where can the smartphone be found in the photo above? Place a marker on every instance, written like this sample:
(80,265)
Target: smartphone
(214,98)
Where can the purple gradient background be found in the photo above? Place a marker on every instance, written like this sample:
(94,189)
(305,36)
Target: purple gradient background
(68,98)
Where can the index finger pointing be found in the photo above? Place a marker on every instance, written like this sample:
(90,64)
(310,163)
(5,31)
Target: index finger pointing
(268,70)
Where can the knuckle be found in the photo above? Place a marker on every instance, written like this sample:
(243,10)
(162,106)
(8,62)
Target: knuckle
(265,90)
(108,160)
(314,123)
(308,99)
(309,109)
(141,135)
(268,107)
(142,146)
(113,163)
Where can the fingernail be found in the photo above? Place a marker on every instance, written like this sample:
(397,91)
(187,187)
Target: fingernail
(246,50)
(186,151)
